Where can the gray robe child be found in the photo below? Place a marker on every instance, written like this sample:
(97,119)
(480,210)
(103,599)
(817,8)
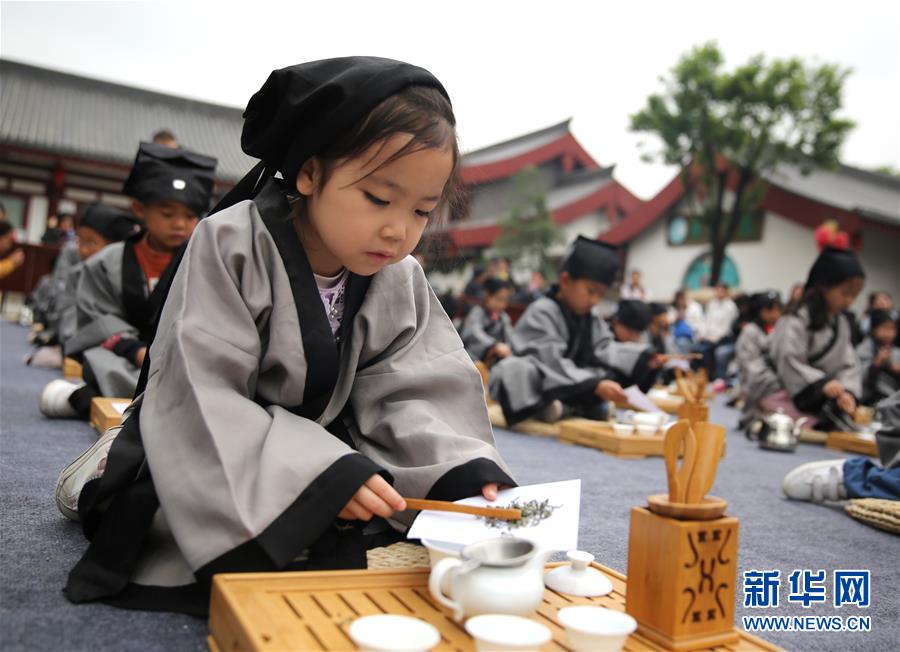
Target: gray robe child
(756,371)
(111,298)
(256,427)
(480,333)
(878,383)
(51,297)
(805,360)
(559,355)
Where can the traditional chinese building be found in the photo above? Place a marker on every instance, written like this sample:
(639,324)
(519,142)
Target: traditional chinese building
(774,247)
(67,141)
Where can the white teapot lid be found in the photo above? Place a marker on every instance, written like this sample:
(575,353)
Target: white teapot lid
(578,578)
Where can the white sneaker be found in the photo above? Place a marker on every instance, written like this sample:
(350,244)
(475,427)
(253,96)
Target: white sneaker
(817,482)
(84,469)
(552,413)
(55,399)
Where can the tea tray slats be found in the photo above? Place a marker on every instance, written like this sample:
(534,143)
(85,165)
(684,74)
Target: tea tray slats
(852,442)
(313,610)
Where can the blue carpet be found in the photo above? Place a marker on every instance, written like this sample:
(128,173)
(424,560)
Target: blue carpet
(38,546)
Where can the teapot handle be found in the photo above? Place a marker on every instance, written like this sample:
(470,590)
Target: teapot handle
(436,580)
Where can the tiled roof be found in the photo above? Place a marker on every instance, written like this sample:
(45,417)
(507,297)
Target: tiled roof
(78,116)
(515,146)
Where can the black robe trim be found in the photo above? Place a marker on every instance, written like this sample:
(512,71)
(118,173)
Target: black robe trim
(141,309)
(467,480)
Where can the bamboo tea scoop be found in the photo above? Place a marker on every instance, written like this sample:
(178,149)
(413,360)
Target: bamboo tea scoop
(710,438)
(506,514)
(679,479)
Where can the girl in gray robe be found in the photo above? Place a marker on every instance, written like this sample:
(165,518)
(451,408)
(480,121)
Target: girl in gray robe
(563,352)
(880,357)
(756,372)
(487,329)
(272,426)
(812,346)
(115,301)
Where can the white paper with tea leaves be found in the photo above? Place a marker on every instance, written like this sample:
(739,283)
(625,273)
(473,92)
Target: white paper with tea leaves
(558,532)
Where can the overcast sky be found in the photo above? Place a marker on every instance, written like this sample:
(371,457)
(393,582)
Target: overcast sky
(510,67)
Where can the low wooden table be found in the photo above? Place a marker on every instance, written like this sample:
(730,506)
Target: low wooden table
(602,436)
(107,413)
(71,369)
(852,442)
(313,610)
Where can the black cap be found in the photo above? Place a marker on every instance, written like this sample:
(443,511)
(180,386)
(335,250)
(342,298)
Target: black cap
(591,259)
(494,285)
(657,308)
(833,267)
(878,317)
(163,173)
(112,223)
(634,314)
(302,109)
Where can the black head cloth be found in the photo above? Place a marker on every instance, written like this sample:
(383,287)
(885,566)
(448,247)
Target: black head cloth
(879,317)
(112,223)
(162,173)
(657,308)
(833,267)
(493,285)
(302,109)
(634,314)
(591,259)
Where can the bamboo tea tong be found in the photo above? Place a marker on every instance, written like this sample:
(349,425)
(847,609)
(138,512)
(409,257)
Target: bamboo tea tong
(702,448)
(503,513)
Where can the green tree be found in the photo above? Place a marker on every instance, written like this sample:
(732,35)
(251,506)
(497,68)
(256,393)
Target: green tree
(528,230)
(727,129)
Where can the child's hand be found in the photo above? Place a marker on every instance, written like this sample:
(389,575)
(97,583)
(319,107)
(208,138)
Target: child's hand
(375,497)
(17,257)
(610,390)
(847,403)
(833,389)
(489,491)
(502,350)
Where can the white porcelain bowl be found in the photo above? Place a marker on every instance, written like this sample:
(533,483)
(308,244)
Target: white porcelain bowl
(596,629)
(649,419)
(623,429)
(646,430)
(501,632)
(389,632)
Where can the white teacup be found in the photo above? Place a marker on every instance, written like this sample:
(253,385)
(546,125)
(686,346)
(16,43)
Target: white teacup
(395,633)
(649,419)
(646,430)
(623,429)
(596,629)
(503,632)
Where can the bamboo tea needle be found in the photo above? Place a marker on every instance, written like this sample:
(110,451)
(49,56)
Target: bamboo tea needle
(444,506)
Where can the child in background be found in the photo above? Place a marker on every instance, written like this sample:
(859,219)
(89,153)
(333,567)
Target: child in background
(10,260)
(487,329)
(756,372)
(559,344)
(99,226)
(880,357)
(630,359)
(303,377)
(115,299)
(812,346)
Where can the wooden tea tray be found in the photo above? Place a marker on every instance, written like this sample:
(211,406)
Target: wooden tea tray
(527,427)
(602,436)
(71,369)
(313,610)
(852,442)
(106,413)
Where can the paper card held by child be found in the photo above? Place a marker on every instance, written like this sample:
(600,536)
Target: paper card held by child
(553,524)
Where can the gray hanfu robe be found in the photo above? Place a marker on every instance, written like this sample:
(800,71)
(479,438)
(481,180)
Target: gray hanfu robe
(52,296)
(805,360)
(250,455)
(112,298)
(480,333)
(559,355)
(756,371)
(878,383)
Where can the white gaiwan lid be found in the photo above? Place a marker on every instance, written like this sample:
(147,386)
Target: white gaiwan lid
(578,578)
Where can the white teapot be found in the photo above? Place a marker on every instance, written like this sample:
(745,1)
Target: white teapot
(496,576)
